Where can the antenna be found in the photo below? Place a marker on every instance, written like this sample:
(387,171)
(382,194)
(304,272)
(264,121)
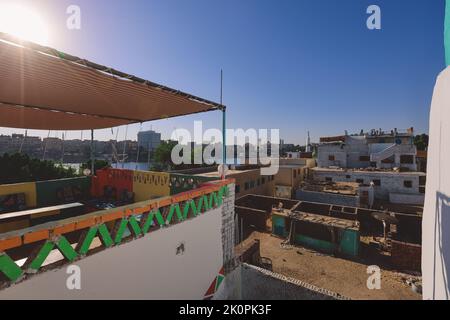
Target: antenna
(224,143)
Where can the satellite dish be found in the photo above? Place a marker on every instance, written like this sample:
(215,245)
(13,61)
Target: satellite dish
(87,172)
(222,170)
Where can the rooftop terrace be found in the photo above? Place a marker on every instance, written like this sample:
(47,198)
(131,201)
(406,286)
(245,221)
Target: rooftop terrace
(114,207)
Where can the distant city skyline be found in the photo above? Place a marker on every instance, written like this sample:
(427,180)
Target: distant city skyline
(294,65)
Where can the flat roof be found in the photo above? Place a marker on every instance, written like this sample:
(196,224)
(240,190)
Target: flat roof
(319,219)
(230,172)
(369,171)
(346,188)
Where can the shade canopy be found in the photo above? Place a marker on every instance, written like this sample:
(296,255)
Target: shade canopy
(42,88)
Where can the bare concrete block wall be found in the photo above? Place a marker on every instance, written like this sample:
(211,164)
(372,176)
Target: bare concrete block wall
(249,282)
(330,198)
(390,182)
(228,228)
(406,256)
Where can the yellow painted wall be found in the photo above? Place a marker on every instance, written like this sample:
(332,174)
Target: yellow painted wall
(266,189)
(148,185)
(29,189)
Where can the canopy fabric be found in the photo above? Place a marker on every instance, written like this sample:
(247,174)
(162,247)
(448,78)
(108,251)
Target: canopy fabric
(41,88)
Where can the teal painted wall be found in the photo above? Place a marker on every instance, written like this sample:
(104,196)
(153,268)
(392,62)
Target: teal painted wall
(348,243)
(47,191)
(278,226)
(319,245)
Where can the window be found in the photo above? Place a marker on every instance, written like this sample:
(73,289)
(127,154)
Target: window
(263,180)
(364,158)
(246,186)
(238,188)
(331,157)
(258,182)
(407,184)
(252,184)
(328,179)
(360,181)
(295,174)
(376,182)
(348,176)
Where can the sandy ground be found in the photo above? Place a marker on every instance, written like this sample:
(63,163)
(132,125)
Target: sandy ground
(342,276)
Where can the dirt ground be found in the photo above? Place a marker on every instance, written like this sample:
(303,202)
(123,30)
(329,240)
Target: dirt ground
(342,276)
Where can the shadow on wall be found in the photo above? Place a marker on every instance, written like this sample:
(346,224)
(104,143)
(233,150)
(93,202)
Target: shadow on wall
(442,238)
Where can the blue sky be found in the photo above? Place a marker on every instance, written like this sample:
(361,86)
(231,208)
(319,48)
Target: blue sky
(294,65)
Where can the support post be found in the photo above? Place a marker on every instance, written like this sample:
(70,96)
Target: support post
(224,113)
(92,153)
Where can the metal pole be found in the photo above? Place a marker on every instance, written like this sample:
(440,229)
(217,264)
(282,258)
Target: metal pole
(224,141)
(92,152)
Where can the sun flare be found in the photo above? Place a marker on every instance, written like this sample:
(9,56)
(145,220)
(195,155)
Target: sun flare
(24,23)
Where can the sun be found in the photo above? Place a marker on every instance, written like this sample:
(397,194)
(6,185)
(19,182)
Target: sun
(24,23)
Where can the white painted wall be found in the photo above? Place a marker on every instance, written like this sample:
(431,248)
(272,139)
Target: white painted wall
(407,198)
(436,217)
(147,268)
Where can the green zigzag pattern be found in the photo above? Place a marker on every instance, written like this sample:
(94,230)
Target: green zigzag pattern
(13,272)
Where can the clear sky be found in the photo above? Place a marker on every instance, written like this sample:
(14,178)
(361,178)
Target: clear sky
(294,65)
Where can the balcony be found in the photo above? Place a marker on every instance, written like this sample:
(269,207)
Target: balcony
(89,215)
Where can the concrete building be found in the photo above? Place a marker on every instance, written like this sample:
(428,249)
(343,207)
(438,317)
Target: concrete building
(394,186)
(375,149)
(292,172)
(385,161)
(249,179)
(336,193)
(149,140)
(291,155)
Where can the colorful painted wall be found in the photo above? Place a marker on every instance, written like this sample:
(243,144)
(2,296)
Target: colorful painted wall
(148,185)
(48,193)
(145,184)
(62,191)
(318,236)
(29,189)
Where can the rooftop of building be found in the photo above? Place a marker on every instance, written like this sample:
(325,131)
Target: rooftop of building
(374,133)
(347,188)
(343,276)
(318,219)
(370,170)
(32,213)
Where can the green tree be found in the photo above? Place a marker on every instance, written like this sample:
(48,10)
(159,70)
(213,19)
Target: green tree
(163,156)
(16,168)
(98,164)
(421,141)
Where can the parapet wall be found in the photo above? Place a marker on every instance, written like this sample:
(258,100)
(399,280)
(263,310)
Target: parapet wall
(151,267)
(169,248)
(406,256)
(327,197)
(249,282)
